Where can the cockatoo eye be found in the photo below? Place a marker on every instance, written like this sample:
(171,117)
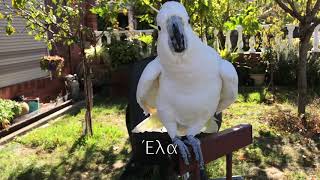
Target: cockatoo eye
(159,28)
(189,21)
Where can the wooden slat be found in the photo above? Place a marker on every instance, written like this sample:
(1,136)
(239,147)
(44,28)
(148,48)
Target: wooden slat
(213,146)
(217,145)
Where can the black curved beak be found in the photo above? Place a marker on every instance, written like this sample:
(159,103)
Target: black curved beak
(176,34)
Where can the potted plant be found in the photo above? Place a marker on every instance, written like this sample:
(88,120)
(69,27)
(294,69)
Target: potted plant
(53,64)
(99,62)
(122,54)
(258,74)
(256,68)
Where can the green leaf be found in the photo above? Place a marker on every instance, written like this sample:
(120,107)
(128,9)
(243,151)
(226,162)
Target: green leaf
(49,45)
(1,16)
(38,37)
(10,29)
(54,19)
(18,3)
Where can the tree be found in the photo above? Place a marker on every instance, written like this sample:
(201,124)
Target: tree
(307,13)
(55,22)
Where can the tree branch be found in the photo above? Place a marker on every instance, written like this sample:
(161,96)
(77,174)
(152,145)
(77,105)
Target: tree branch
(293,7)
(315,9)
(293,13)
(308,8)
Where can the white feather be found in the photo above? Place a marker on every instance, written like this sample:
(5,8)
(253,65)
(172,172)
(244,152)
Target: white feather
(185,90)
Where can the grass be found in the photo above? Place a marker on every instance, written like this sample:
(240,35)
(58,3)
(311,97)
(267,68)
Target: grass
(57,150)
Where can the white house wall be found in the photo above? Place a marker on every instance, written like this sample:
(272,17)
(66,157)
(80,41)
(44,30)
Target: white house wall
(19,55)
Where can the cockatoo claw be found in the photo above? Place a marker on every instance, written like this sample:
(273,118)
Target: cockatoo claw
(183,149)
(195,144)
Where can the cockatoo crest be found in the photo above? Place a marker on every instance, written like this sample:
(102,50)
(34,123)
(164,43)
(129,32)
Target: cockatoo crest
(175,32)
(170,9)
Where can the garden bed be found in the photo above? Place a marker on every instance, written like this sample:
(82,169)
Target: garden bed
(25,120)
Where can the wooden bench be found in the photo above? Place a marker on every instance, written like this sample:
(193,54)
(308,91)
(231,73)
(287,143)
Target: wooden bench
(213,145)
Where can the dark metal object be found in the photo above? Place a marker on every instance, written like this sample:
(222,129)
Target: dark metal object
(229,166)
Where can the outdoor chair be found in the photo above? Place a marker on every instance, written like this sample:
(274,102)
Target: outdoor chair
(213,146)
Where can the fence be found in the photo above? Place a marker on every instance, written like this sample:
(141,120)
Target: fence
(252,42)
(228,45)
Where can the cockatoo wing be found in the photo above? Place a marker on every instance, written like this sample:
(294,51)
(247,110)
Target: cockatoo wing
(148,86)
(229,90)
(147,92)
(151,124)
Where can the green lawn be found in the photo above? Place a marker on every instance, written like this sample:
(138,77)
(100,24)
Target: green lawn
(57,150)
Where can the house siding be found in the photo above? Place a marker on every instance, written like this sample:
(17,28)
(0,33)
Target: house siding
(20,72)
(19,54)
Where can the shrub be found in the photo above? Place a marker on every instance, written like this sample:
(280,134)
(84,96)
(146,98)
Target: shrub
(313,70)
(97,53)
(8,110)
(285,69)
(123,52)
(227,55)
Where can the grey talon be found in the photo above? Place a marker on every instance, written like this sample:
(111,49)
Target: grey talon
(196,147)
(183,149)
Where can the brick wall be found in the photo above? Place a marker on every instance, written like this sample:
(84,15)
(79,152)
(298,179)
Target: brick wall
(43,88)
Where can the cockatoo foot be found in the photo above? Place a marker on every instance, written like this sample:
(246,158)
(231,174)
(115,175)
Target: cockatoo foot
(183,149)
(195,144)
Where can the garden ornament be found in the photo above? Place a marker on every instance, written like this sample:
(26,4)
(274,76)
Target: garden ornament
(72,85)
(185,85)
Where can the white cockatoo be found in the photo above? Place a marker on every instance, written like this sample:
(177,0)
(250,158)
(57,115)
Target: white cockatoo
(185,85)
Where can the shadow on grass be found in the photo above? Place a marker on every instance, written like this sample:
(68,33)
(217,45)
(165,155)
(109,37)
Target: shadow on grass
(83,161)
(305,160)
(267,150)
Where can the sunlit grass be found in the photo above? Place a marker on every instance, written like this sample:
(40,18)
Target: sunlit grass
(57,150)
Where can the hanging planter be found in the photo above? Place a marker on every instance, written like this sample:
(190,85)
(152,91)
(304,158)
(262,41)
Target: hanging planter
(53,64)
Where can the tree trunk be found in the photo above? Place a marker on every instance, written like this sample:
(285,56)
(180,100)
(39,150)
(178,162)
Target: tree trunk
(302,72)
(87,129)
(87,125)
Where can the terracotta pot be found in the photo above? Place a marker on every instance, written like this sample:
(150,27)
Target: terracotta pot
(258,79)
